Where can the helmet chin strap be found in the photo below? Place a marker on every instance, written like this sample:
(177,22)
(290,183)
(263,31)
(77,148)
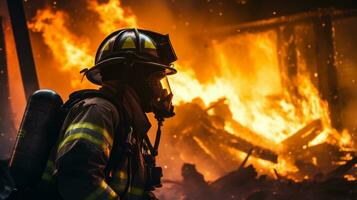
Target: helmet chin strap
(160,115)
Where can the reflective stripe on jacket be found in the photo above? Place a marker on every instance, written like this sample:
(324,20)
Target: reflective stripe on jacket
(78,164)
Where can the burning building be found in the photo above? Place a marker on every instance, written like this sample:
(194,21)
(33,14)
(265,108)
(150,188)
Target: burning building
(274,80)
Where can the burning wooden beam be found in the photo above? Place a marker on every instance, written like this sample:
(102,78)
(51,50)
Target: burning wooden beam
(23,46)
(224,138)
(327,71)
(302,137)
(343,169)
(246,159)
(274,22)
(245,146)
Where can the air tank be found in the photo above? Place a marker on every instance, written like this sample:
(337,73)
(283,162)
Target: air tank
(37,135)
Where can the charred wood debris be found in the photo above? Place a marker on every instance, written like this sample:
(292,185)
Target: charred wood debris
(326,180)
(244,183)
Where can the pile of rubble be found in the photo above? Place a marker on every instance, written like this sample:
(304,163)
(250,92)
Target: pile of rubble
(203,140)
(245,184)
(200,133)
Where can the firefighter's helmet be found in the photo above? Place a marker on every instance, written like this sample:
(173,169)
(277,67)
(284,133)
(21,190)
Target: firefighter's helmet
(134,46)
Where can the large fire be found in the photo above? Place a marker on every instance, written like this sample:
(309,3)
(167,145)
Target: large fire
(249,78)
(69,50)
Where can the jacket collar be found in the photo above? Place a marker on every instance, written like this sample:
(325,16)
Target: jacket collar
(139,119)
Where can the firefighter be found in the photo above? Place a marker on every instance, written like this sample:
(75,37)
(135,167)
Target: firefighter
(103,151)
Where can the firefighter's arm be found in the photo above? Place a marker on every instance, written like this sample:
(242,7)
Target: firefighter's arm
(83,154)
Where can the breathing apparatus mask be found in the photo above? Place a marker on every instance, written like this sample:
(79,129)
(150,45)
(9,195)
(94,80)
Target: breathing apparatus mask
(162,95)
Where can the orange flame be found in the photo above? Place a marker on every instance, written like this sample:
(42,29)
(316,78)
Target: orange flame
(252,83)
(249,78)
(119,17)
(258,98)
(69,50)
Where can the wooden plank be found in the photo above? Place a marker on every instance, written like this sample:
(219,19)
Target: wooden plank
(23,46)
(326,67)
(303,136)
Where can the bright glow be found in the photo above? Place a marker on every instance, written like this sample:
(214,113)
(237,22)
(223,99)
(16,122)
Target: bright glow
(70,51)
(113,16)
(260,97)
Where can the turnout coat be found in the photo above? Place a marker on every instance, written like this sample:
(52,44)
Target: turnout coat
(85,163)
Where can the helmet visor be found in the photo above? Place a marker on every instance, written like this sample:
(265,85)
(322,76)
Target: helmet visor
(166,86)
(159,83)
(162,103)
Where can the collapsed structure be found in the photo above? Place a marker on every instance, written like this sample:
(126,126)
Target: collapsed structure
(306,44)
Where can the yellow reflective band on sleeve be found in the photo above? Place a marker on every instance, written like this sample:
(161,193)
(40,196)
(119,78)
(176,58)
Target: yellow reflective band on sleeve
(102,188)
(136,191)
(92,127)
(120,181)
(87,137)
(47,177)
